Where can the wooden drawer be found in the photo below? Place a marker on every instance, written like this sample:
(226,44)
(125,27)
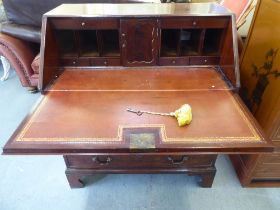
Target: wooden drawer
(277,146)
(267,171)
(268,167)
(105,62)
(75,62)
(174,61)
(197,22)
(210,22)
(276,142)
(177,23)
(138,161)
(205,60)
(85,23)
(271,159)
(90,62)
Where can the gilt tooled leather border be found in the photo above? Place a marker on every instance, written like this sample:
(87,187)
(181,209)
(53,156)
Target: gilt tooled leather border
(120,138)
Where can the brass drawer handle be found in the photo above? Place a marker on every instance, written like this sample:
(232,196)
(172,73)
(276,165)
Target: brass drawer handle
(178,162)
(102,162)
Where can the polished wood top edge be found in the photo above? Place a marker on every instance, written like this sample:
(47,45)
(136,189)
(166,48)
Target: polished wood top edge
(132,10)
(28,149)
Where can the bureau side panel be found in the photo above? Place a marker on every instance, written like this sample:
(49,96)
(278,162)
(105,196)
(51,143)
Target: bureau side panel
(48,54)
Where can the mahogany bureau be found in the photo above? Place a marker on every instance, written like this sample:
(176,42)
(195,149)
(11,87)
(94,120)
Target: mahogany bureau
(97,60)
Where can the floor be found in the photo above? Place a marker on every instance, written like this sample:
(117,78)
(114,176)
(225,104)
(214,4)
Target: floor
(38,182)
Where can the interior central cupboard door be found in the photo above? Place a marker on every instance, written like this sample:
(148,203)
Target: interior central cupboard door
(139,39)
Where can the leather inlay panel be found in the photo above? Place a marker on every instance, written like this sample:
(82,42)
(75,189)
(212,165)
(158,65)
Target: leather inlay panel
(99,116)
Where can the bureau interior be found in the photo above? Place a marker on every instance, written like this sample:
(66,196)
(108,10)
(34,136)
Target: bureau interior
(184,41)
(139,41)
(105,43)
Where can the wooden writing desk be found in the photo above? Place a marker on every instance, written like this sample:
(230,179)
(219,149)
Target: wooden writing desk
(157,61)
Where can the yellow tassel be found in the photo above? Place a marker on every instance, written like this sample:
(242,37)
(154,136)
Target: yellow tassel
(183,115)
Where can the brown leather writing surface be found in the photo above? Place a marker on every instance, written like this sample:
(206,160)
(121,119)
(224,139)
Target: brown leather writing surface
(86,111)
(100,116)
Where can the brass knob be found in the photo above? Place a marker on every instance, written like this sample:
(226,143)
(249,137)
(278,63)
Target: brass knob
(83,24)
(205,61)
(123,34)
(173,61)
(105,62)
(74,62)
(123,46)
(194,23)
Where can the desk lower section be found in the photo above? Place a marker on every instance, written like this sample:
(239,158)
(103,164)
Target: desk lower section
(80,166)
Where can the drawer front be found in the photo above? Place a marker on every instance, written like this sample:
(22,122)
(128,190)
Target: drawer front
(138,161)
(210,22)
(75,62)
(198,22)
(205,60)
(277,146)
(267,171)
(105,62)
(175,23)
(90,62)
(174,61)
(268,167)
(85,23)
(271,159)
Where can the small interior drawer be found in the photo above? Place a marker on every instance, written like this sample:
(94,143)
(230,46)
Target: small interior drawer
(267,171)
(90,61)
(75,62)
(85,23)
(271,158)
(210,22)
(277,146)
(173,23)
(138,161)
(174,61)
(196,22)
(105,62)
(205,60)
